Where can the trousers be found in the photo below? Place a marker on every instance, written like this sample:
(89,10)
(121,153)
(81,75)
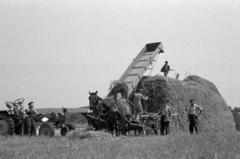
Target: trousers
(165,126)
(193,123)
(31,126)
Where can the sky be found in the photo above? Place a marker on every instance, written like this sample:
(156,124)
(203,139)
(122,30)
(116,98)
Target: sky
(53,52)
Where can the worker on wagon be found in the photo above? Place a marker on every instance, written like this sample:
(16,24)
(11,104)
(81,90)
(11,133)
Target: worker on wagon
(194,112)
(165,69)
(30,121)
(166,116)
(138,110)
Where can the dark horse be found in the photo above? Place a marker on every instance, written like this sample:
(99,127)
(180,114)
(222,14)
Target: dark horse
(117,113)
(93,102)
(99,110)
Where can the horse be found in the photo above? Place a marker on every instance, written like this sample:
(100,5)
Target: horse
(115,112)
(103,113)
(93,102)
(123,106)
(118,113)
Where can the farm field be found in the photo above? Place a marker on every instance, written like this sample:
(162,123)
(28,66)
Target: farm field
(180,146)
(70,110)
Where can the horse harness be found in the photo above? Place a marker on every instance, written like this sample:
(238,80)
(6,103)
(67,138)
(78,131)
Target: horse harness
(115,108)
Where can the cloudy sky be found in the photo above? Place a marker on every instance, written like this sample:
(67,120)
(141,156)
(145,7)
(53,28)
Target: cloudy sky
(53,52)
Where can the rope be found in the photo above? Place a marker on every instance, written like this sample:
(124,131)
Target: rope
(101,114)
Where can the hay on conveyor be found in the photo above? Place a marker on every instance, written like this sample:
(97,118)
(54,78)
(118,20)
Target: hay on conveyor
(117,86)
(216,116)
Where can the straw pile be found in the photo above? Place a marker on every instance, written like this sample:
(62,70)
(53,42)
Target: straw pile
(94,135)
(216,116)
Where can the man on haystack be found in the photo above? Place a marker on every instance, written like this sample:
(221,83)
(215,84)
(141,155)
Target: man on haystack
(165,69)
(166,116)
(137,107)
(193,116)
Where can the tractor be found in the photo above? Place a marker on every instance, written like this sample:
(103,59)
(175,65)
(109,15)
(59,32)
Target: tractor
(48,123)
(12,121)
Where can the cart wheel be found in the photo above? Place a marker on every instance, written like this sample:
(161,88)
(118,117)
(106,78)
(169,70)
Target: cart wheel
(4,127)
(46,129)
(64,131)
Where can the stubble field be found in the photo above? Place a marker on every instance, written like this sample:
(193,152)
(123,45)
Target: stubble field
(94,145)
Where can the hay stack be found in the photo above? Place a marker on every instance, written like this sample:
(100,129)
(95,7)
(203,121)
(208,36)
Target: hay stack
(216,116)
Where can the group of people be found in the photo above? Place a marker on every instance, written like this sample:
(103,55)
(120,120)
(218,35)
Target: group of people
(28,115)
(194,111)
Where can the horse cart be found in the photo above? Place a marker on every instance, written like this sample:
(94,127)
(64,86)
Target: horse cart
(148,124)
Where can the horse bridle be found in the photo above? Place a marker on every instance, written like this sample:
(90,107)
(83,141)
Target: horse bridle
(93,102)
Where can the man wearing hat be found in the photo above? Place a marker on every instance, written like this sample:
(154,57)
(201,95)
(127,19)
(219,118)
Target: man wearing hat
(166,68)
(166,116)
(137,107)
(30,121)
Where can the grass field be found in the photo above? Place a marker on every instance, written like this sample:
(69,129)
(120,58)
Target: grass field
(70,110)
(179,146)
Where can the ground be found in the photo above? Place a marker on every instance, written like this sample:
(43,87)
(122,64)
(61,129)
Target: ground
(101,145)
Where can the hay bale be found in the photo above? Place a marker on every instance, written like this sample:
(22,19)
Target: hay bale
(95,135)
(216,115)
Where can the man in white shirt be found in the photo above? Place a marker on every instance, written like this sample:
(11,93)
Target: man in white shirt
(194,112)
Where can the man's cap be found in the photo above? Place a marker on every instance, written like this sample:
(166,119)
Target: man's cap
(166,61)
(192,100)
(140,90)
(30,103)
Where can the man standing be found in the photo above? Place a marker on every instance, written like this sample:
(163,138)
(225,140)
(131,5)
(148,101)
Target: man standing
(165,69)
(138,110)
(166,116)
(30,121)
(193,116)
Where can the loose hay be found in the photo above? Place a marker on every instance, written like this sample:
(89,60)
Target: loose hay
(117,86)
(95,135)
(216,116)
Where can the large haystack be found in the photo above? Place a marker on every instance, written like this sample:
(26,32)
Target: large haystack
(216,116)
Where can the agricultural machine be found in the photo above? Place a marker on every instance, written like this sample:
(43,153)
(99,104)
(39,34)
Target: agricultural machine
(140,66)
(13,121)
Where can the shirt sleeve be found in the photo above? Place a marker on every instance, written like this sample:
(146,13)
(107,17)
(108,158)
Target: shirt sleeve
(35,111)
(199,108)
(143,97)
